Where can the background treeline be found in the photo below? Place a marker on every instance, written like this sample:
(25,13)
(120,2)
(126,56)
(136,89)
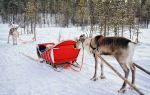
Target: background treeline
(105,15)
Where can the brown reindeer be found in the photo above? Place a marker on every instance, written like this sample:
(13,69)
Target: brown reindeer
(121,48)
(14,33)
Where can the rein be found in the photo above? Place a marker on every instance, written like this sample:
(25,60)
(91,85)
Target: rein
(80,66)
(82,57)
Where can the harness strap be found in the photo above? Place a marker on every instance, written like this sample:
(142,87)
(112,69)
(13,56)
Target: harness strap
(100,42)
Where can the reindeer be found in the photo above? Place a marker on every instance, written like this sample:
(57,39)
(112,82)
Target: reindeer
(14,33)
(121,48)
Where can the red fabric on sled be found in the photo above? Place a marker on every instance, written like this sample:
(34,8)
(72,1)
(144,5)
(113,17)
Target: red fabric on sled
(62,52)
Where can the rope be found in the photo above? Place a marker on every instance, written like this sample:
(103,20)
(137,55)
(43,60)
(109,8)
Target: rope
(25,42)
(29,57)
(82,58)
(81,62)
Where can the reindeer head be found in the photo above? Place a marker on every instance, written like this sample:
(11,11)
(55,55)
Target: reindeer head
(91,44)
(82,38)
(84,42)
(14,26)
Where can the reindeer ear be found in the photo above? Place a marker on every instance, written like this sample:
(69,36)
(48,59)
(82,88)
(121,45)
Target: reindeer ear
(81,36)
(84,36)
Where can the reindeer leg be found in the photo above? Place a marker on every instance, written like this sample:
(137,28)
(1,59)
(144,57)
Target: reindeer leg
(94,78)
(133,69)
(16,40)
(13,39)
(133,74)
(126,71)
(102,71)
(18,34)
(8,38)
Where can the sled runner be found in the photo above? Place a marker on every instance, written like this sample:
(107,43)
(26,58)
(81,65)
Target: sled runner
(62,53)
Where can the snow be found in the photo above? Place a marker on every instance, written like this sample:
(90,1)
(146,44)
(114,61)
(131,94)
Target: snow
(20,75)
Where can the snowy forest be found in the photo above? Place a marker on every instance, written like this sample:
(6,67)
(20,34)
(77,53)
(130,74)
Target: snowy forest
(74,47)
(103,15)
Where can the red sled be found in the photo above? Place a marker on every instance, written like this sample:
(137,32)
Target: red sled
(64,52)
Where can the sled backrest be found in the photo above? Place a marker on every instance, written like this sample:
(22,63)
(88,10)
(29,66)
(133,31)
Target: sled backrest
(68,43)
(45,44)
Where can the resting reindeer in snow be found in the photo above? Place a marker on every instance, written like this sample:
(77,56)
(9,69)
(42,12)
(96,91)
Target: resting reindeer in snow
(121,48)
(14,33)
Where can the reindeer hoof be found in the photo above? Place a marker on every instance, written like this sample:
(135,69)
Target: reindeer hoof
(131,88)
(94,79)
(102,77)
(122,90)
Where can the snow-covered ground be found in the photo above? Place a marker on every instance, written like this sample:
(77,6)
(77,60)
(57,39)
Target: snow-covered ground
(20,75)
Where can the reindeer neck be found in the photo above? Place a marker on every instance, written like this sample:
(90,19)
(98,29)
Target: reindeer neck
(91,45)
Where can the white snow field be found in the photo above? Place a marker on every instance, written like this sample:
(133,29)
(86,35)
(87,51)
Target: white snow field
(19,75)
